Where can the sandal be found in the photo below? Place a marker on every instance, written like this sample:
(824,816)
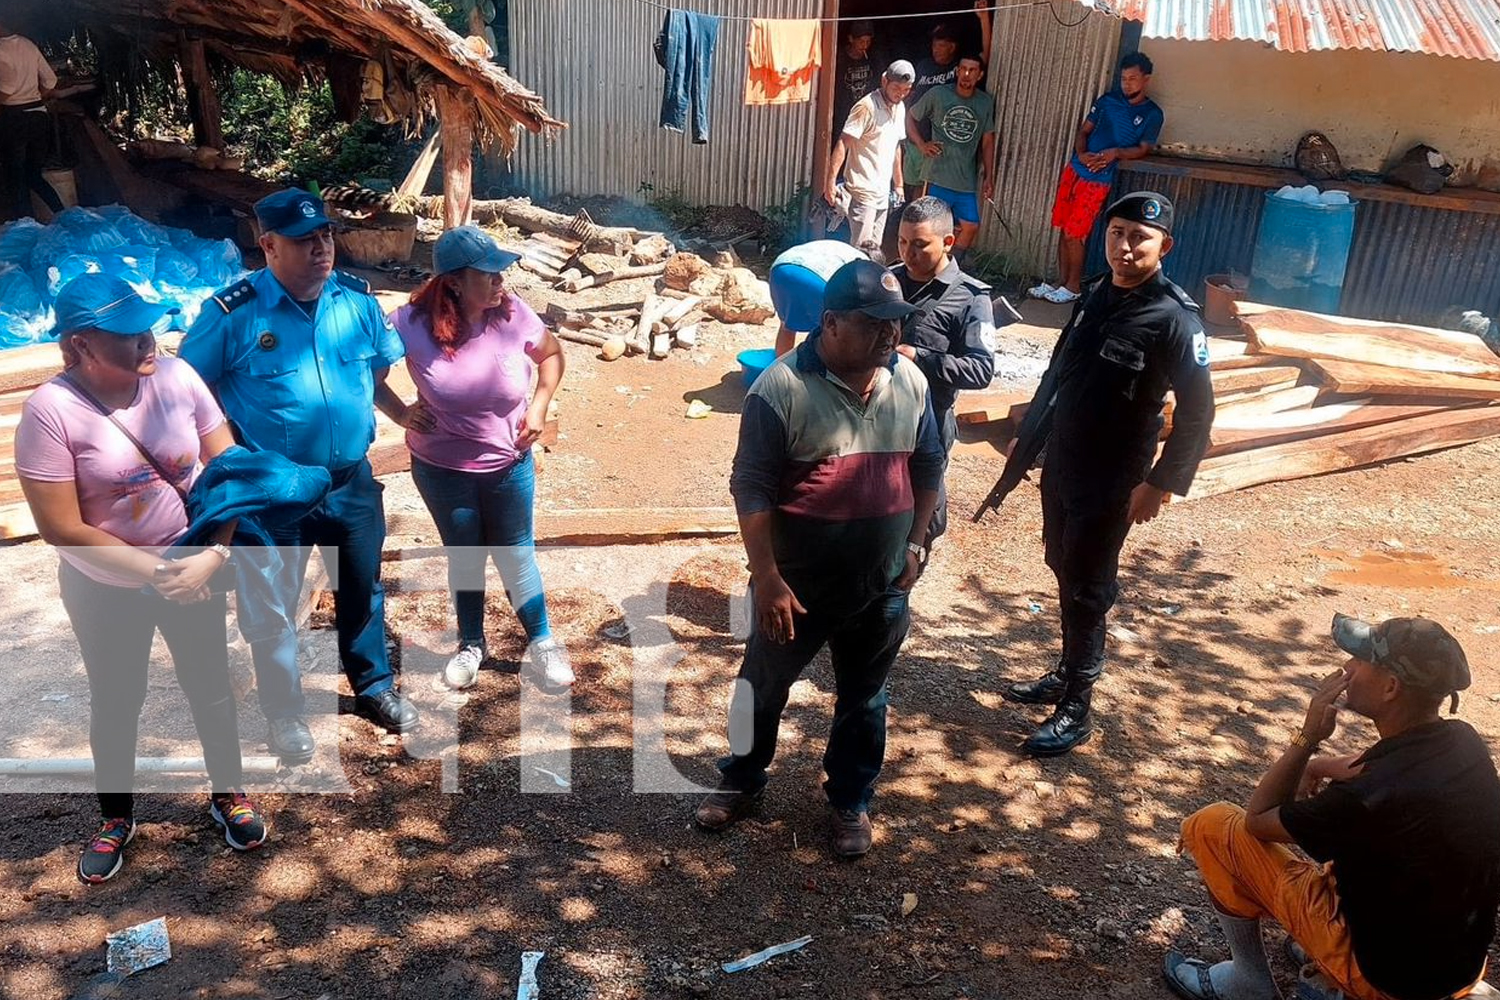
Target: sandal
(1176,960)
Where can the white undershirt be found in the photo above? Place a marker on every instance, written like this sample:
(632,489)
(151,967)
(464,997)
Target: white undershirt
(24,72)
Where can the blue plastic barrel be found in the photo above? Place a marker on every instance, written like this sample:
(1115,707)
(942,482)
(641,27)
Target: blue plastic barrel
(1301,253)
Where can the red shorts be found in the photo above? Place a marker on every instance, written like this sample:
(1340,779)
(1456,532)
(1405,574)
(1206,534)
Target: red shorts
(1078,204)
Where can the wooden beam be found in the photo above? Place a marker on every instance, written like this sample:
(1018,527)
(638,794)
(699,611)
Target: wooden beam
(1296,334)
(1244,432)
(1242,379)
(1362,379)
(203,98)
(1345,450)
(456,113)
(827,78)
(1266,401)
(415,183)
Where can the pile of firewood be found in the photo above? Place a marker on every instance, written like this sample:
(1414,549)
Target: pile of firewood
(652,326)
(1301,394)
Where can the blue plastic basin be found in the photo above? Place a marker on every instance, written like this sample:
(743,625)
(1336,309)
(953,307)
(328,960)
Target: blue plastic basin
(753,362)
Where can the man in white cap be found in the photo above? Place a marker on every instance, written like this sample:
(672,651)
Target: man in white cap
(869,154)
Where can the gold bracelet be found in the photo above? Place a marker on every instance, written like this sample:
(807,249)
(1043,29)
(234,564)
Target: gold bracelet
(1298,740)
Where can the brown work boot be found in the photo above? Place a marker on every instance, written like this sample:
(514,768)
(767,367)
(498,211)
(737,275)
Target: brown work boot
(724,807)
(851,831)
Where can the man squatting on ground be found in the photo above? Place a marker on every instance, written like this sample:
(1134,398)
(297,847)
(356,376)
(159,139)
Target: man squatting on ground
(1098,411)
(835,479)
(1399,900)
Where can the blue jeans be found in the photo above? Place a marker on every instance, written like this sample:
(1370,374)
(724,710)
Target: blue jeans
(479,513)
(863,647)
(688,56)
(352,517)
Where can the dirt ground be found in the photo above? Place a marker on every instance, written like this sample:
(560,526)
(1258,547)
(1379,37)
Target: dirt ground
(1031,880)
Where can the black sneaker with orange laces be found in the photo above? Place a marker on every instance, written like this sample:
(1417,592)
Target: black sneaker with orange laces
(104,856)
(244,827)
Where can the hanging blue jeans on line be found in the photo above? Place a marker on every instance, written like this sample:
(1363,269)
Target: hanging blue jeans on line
(685,49)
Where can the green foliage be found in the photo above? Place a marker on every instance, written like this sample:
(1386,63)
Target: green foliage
(786,220)
(296,135)
(681,213)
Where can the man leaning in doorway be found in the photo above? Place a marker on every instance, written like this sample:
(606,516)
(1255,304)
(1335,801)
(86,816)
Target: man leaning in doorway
(25,81)
(856,73)
(1123,124)
(869,154)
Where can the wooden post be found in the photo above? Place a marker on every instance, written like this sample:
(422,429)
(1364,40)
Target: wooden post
(203,99)
(456,113)
(827,77)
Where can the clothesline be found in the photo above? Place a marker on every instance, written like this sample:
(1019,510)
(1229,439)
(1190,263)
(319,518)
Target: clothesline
(872,17)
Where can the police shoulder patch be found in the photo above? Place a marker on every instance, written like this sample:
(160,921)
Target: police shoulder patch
(236,295)
(352,281)
(1200,348)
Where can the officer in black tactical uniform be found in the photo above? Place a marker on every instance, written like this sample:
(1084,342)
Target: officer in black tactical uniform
(1098,412)
(951,336)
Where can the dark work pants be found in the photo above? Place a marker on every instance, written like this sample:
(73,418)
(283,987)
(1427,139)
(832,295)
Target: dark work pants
(115,627)
(351,517)
(689,55)
(27,135)
(863,646)
(1082,533)
(948,432)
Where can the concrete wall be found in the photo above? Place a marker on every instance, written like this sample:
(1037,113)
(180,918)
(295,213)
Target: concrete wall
(1248,102)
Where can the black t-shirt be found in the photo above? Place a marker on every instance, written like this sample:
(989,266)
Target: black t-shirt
(1415,845)
(856,78)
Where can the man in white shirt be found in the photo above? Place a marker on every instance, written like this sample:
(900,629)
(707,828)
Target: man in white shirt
(869,154)
(25,80)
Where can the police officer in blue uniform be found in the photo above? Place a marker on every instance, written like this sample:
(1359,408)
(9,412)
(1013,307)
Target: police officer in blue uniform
(295,352)
(1098,411)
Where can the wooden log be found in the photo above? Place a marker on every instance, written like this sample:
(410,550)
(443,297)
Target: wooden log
(595,280)
(1240,380)
(661,345)
(414,184)
(1243,432)
(558,315)
(455,109)
(640,340)
(678,312)
(1345,450)
(1362,379)
(985,406)
(522,214)
(1296,334)
(577,336)
(1251,404)
(203,97)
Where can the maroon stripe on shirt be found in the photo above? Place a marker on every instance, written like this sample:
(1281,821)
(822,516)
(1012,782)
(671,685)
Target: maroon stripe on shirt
(846,487)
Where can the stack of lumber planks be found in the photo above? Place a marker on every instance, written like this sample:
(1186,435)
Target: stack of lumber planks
(1302,394)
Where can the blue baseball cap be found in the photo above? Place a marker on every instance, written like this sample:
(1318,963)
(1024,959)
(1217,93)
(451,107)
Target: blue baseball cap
(105,302)
(293,213)
(470,246)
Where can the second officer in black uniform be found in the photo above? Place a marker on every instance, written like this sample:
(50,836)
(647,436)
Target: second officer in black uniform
(1133,336)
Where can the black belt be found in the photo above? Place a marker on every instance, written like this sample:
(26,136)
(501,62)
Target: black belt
(33,106)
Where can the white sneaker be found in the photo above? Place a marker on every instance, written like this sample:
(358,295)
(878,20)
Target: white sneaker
(463,669)
(1040,291)
(1060,295)
(548,667)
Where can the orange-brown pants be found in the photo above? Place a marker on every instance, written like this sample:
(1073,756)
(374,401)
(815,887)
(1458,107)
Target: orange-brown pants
(1251,878)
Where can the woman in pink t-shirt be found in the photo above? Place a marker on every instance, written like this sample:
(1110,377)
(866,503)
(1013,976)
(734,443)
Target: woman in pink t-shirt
(470,348)
(105,453)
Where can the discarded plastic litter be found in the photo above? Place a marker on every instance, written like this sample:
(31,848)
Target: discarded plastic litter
(54,697)
(527,988)
(751,961)
(139,947)
(557,779)
(698,409)
(1035,608)
(618,630)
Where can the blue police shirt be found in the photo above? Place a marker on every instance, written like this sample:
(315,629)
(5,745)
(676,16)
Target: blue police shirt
(1118,124)
(301,386)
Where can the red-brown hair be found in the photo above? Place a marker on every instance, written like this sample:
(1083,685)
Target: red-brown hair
(438,301)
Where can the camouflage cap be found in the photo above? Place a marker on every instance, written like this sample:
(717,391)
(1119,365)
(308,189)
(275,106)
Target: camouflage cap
(1420,652)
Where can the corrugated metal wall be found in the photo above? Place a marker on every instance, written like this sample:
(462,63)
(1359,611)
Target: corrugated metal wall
(592,63)
(1044,77)
(1408,263)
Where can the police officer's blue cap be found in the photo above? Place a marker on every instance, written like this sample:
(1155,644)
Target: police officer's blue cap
(470,246)
(105,302)
(1146,207)
(864,286)
(293,213)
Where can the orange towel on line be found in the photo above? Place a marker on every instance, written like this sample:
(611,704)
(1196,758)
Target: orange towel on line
(784,58)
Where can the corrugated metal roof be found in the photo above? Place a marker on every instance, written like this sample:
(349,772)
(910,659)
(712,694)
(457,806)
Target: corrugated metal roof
(1468,29)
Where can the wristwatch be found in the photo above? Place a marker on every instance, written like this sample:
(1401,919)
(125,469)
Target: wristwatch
(222,551)
(917,550)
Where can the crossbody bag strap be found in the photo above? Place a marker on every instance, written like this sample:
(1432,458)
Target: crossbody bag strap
(161,470)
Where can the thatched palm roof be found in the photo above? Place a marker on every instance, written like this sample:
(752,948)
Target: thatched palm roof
(289,38)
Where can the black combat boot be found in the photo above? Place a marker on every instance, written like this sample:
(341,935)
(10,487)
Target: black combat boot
(1045,690)
(1073,722)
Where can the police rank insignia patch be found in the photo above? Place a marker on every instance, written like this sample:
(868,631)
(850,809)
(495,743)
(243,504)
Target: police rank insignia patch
(1151,209)
(267,341)
(1200,348)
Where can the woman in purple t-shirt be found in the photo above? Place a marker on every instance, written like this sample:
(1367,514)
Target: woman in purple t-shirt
(470,349)
(104,453)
